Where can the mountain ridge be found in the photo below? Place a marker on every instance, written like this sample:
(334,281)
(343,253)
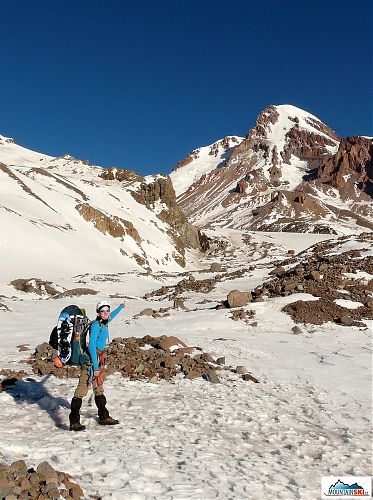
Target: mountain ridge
(64,212)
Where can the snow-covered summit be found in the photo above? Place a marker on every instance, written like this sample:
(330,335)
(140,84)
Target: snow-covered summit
(289,117)
(290,173)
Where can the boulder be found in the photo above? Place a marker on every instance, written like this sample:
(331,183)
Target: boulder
(346,320)
(147,312)
(193,374)
(179,304)
(277,271)
(211,377)
(166,342)
(315,275)
(216,267)
(240,370)
(207,357)
(296,330)
(236,298)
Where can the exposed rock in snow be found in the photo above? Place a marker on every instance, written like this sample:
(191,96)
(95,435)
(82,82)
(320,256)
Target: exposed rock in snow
(19,481)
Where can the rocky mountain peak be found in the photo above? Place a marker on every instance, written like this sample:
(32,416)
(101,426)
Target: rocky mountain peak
(279,178)
(284,130)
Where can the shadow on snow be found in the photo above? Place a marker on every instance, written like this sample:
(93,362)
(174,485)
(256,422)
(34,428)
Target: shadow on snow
(33,392)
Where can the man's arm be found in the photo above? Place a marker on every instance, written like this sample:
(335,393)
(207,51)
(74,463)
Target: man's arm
(116,311)
(93,333)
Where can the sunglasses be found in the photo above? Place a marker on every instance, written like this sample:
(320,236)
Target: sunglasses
(104,311)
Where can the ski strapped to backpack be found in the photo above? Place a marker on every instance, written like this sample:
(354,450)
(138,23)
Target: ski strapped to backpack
(70,337)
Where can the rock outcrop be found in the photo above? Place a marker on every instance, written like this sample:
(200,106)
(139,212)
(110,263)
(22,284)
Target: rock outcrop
(121,175)
(159,191)
(17,480)
(149,358)
(351,165)
(108,224)
(322,274)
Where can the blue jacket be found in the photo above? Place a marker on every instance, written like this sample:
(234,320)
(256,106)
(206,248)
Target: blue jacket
(98,335)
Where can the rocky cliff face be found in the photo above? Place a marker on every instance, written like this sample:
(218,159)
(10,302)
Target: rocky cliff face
(279,178)
(116,174)
(157,193)
(108,224)
(351,165)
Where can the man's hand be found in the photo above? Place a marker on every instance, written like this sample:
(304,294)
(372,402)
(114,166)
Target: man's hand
(123,304)
(98,376)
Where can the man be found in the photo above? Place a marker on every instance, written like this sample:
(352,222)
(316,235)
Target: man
(92,371)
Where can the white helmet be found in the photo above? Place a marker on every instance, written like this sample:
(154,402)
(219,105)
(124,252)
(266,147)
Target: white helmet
(102,304)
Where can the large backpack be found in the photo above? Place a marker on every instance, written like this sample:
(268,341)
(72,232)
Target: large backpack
(71,335)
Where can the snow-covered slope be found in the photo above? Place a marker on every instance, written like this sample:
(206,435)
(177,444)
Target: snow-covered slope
(201,161)
(60,215)
(290,173)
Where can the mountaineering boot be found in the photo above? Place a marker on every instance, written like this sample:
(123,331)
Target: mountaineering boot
(108,421)
(74,416)
(103,413)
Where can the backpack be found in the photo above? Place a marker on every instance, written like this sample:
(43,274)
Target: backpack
(70,336)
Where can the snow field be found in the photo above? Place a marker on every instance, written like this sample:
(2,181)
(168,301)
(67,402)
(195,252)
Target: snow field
(188,439)
(310,415)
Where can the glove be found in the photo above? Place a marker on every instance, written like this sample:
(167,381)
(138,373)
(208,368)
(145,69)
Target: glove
(98,376)
(123,304)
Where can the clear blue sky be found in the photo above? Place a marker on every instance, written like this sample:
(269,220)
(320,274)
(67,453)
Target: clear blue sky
(139,84)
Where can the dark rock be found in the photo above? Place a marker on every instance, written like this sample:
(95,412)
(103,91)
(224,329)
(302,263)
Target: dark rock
(211,377)
(207,357)
(249,378)
(277,271)
(241,314)
(296,330)
(346,320)
(315,275)
(147,312)
(17,481)
(160,359)
(179,304)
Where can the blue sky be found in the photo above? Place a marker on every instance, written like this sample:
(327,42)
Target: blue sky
(140,84)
